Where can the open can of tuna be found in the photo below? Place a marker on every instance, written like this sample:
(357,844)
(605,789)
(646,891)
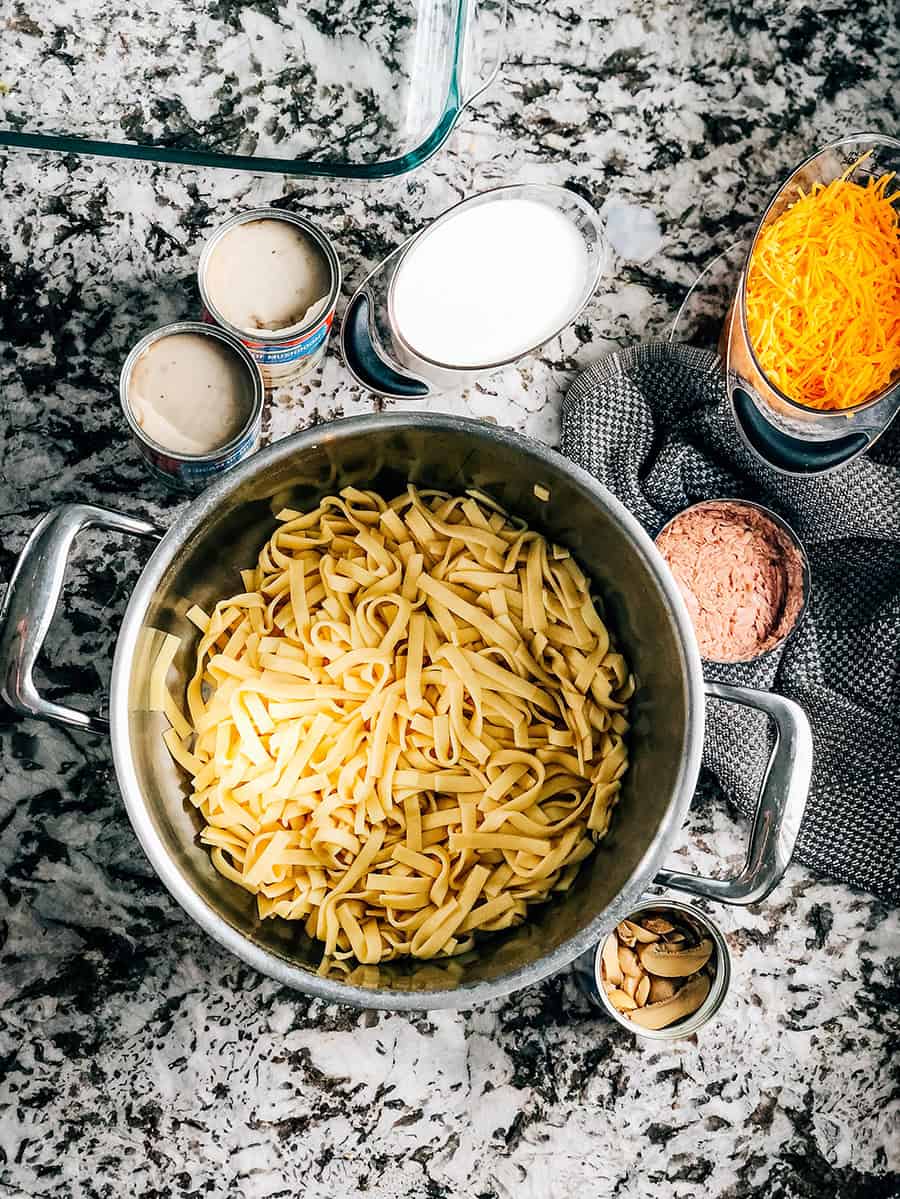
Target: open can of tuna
(193,398)
(272,279)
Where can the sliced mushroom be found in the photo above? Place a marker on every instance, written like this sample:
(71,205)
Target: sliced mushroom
(675,938)
(660,988)
(628,962)
(634,931)
(672,961)
(642,991)
(683,1003)
(625,935)
(656,924)
(631,983)
(610,960)
(621,1001)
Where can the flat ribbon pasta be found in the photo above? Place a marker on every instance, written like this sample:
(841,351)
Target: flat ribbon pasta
(407,727)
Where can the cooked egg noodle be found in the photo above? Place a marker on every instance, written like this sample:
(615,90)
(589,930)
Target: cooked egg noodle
(408,727)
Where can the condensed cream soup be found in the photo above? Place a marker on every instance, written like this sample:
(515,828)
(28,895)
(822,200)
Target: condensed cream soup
(190,394)
(490,283)
(268,275)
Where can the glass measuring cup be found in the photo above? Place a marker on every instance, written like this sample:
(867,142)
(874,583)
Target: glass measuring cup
(376,351)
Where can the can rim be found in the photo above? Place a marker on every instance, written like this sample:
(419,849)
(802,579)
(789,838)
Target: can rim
(206,330)
(717,992)
(291,332)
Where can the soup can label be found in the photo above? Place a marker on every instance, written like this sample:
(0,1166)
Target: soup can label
(280,362)
(194,475)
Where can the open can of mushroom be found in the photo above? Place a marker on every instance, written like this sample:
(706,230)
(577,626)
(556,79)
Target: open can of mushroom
(684,920)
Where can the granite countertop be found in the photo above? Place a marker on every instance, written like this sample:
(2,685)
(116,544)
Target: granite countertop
(136,1058)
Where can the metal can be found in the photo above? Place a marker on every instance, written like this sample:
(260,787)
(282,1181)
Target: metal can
(193,472)
(589,979)
(283,355)
(796,570)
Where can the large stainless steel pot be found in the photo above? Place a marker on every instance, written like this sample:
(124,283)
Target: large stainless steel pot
(197,561)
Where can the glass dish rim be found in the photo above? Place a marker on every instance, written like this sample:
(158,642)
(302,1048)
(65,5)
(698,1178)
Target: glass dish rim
(454,105)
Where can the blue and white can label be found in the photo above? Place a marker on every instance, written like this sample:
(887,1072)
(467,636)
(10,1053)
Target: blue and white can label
(281,362)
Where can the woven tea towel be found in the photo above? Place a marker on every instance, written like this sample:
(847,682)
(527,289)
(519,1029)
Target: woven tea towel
(654,425)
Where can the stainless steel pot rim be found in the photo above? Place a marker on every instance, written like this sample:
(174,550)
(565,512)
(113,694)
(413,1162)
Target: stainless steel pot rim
(279,968)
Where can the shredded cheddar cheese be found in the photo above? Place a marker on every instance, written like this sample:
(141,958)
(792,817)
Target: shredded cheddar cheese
(823,294)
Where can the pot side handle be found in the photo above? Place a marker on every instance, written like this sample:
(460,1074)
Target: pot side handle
(31,600)
(779,808)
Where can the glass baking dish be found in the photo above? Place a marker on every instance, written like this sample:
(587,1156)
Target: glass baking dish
(350,88)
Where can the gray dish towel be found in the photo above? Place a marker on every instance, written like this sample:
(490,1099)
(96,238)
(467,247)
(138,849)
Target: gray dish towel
(654,425)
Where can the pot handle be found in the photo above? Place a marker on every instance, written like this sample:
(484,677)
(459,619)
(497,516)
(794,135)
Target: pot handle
(779,808)
(31,600)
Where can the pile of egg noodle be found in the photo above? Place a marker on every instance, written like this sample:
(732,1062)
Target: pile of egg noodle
(408,727)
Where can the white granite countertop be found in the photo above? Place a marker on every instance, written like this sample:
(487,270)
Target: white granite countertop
(135,1057)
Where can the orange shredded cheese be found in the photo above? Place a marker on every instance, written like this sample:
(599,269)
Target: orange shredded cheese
(823,294)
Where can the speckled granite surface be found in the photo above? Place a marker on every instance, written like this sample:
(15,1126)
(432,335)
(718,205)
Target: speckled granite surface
(134,1058)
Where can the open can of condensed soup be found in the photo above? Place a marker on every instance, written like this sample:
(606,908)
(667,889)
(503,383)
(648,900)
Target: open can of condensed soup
(193,397)
(272,279)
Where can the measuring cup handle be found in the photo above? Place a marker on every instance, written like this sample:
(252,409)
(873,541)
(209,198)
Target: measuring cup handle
(485,35)
(364,361)
(792,455)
